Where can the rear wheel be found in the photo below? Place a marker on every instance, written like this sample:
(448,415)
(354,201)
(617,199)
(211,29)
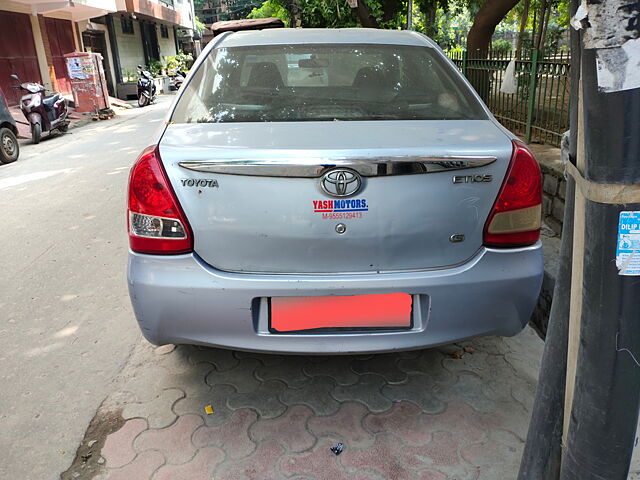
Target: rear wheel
(9,148)
(143,100)
(36,133)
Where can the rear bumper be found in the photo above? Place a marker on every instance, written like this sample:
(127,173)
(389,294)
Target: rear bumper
(180,299)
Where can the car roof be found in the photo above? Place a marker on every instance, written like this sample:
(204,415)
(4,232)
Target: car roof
(279,36)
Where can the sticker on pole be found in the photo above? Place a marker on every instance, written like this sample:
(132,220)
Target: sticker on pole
(628,251)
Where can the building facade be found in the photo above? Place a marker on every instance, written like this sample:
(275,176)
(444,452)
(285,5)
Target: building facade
(35,35)
(138,33)
(223,10)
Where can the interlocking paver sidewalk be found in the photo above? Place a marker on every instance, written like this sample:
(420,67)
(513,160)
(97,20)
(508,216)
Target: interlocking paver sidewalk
(435,414)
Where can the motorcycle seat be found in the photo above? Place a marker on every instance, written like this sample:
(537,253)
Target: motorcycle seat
(50,100)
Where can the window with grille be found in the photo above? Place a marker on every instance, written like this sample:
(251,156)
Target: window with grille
(127,25)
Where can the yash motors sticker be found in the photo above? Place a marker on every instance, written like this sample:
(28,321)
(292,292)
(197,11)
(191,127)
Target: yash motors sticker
(340,209)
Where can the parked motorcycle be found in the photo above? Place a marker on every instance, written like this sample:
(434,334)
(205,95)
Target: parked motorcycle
(177,80)
(146,87)
(45,113)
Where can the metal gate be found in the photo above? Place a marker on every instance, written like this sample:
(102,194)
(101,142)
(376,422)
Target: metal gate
(539,110)
(60,33)
(17,53)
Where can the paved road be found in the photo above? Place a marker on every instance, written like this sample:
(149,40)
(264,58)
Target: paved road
(446,413)
(67,327)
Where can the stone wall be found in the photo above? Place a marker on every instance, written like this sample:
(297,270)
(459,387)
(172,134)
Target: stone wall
(554,190)
(554,187)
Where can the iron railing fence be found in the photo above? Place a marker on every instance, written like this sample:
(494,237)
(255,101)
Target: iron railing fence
(539,110)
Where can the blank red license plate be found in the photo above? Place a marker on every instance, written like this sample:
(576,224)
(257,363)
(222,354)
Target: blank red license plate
(384,310)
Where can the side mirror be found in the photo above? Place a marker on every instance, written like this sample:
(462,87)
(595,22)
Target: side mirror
(15,77)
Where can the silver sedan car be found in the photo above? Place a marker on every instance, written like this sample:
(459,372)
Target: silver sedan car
(331,191)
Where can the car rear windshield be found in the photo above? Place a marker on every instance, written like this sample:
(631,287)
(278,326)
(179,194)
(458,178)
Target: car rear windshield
(325,82)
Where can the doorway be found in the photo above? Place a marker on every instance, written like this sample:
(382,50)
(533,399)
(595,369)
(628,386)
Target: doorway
(95,41)
(149,42)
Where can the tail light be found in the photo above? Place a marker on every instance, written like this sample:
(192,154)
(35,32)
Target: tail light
(157,224)
(516,215)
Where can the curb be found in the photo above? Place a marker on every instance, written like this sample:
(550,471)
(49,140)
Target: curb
(551,248)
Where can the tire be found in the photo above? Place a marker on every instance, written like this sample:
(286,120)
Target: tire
(9,147)
(36,133)
(143,100)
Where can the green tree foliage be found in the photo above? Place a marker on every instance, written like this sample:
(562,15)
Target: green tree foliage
(271,8)
(241,8)
(331,14)
(199,25)
(182,61)
(501,46)
(448,22)
(449,29)
(390,14)
(229,9)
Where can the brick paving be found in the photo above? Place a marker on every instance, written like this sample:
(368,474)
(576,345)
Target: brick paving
(435,414)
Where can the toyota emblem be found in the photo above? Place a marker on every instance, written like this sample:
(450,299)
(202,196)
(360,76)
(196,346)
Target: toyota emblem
(341,182)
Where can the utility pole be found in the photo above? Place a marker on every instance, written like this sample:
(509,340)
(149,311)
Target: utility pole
(604,394)
(596,427)
(542,455)
(410,15)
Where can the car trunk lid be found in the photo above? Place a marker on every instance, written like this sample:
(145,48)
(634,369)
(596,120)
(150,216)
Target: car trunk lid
(253,196)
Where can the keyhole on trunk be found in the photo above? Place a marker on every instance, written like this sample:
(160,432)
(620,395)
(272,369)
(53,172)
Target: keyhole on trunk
(341,228)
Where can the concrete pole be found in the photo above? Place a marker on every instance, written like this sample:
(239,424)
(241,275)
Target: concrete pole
(596,426)
(603,373)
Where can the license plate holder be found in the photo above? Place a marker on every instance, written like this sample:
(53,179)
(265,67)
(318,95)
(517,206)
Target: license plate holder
(383,311)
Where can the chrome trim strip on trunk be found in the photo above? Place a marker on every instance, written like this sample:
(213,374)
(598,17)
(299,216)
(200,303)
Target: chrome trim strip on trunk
(473,257)
(367,167)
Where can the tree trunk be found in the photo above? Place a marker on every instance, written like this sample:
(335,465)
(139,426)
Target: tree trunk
(543,35)
(479,39)
(523,27)
(389,11)
(487,19)
(296,14)
(540,29)
(364,15)
(431,28)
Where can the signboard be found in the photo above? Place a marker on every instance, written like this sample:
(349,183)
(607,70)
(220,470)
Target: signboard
(80,67)
(74,67)
(628,249)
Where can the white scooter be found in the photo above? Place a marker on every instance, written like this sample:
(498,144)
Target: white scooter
(177,80)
